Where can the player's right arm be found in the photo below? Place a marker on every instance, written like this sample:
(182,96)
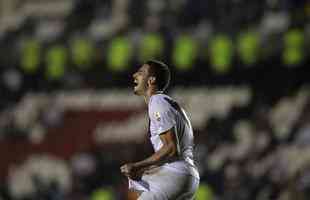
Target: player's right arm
(167,152)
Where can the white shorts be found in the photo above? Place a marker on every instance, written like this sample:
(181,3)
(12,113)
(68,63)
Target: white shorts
(163,184)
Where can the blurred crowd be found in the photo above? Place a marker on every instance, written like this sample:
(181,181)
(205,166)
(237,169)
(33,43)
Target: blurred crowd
(261,154)
(246,147)
(74,44)
(257,147)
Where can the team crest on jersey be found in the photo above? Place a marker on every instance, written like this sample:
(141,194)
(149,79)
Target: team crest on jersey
(157,116)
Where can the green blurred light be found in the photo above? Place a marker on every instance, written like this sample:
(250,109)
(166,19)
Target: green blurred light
(221,48)
(119,54)
(204,192)
(82,53)
(151,47)
(248,47)
(56,58)
(30,56)
(185,52)
(293,53)
(102,194)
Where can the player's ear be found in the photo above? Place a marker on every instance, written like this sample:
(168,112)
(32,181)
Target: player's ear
(152,80)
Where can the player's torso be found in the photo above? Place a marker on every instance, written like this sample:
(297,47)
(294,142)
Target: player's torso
(182,127)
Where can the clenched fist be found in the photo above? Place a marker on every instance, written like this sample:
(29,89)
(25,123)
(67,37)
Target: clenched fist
(131,171)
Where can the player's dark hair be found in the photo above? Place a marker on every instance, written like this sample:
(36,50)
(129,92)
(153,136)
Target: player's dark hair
(161,72)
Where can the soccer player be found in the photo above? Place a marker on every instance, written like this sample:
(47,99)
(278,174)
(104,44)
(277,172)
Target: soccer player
(169,173)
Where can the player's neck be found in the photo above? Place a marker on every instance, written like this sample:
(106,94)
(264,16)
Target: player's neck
(150,92)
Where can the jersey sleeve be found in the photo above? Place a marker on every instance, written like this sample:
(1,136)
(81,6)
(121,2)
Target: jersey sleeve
(161,115)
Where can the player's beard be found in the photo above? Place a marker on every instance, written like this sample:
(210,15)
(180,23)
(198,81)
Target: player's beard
(140,88)
(136,88)
(135,91)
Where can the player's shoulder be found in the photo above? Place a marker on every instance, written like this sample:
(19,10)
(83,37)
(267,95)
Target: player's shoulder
(159,100)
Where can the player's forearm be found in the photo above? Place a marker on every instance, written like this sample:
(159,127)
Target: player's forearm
(164,154)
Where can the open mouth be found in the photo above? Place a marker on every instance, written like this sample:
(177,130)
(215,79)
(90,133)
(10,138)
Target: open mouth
(135,83)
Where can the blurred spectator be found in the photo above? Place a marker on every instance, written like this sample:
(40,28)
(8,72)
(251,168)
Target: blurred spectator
(39,177)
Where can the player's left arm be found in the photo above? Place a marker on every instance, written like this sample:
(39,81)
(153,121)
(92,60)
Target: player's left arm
(167,152)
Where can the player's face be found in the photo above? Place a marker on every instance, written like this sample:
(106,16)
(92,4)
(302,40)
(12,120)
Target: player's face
(141,80)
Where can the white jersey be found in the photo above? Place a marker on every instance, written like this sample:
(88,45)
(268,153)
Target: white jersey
(166,114)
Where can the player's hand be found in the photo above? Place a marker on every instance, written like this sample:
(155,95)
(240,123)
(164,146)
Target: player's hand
(131,171)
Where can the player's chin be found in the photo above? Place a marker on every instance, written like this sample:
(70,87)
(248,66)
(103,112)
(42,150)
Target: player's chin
(136,91)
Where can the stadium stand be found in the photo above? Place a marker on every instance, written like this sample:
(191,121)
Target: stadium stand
(68,118)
